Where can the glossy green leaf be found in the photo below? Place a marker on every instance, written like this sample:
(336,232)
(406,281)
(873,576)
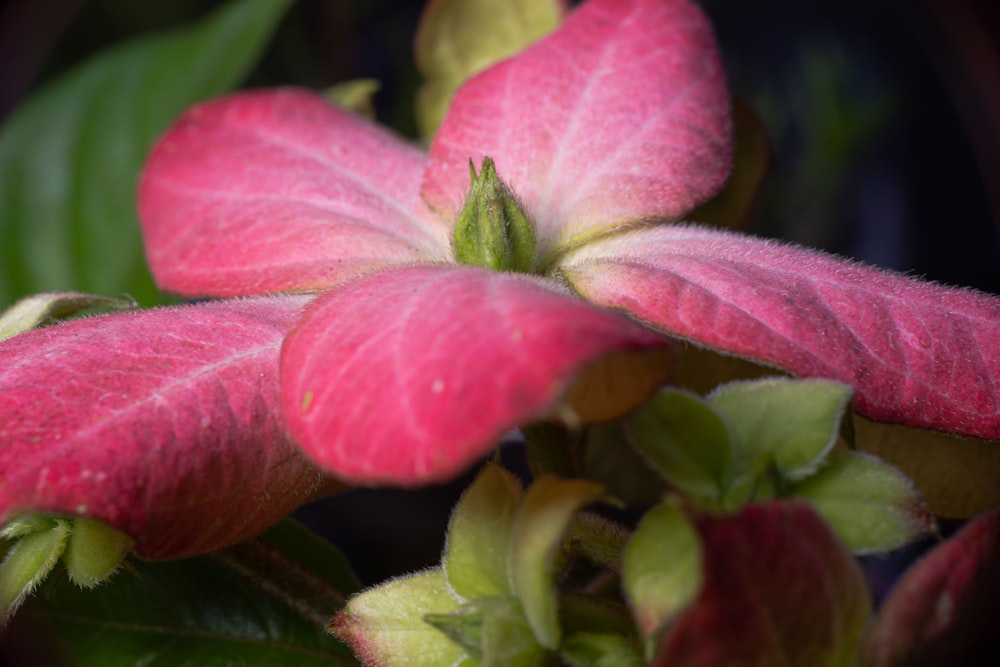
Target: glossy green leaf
(662,572)
(385,625)
(793,423)
(198,612)
(70,156)
(539,526)
(39,309)
(494,632)
(685,440)
(870,505)
(599,650)
(475,557)
(458,38)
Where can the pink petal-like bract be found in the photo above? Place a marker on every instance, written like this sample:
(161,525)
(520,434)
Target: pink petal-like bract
(917,353)
(944,610)
(779,589)
(279,190)
(621,115)
(163,423)
(410,375)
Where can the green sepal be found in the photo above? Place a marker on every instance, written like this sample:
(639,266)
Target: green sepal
(493,631)
(539,526)
(95,551)
(686,440)
(475,561)
(38,309)
(492,230)
(385,625)
(662,573)
(793,423)
(870,505)
(39,546)
(587,649)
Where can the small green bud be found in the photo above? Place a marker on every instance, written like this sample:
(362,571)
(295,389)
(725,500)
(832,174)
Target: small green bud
(492,230)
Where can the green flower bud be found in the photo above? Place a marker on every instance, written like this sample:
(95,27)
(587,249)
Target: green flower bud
(492,231)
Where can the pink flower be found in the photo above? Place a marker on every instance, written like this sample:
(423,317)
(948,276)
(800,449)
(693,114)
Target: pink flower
(408,366)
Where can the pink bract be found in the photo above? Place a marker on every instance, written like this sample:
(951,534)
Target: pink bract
(411,367)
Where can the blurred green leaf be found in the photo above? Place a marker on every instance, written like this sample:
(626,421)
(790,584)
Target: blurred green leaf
(386,625)
(195,612)
(685,440)
(795,423)
(70,156)
(475,558)
(459,38)
(539,526)
(662,572)
(40,309)
(870,505)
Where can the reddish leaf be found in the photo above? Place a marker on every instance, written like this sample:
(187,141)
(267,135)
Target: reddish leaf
(779,590)
(917,353)
(410,375)
(944,611)
(163,423)
(279,190)
(620,115)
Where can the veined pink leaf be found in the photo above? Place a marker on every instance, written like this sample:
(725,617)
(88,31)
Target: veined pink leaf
(620,115)
(280,190)
(410,375)
(917,353)
(163,423)
(944,610)
(779,589)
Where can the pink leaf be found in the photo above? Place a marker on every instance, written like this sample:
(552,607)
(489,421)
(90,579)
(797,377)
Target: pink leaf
(917,353)
(279,190)
(163,423)
(944,610)
(619,116)
(410,375)
(779,590)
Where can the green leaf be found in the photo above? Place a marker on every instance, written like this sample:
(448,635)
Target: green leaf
(870,505)
(478,543)
(599,650)
(40,543)
(662,572)
(793,423)
(685,440)
(612,461)
(541,521)
(39,309)
(385,625)
(458,38)
(95,551)
(357,95)
(493,631)
(70,156)
(198,612)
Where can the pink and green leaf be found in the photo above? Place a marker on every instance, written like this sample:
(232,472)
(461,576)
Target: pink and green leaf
(409,376)
(163,423)
(916,353)
(619,116)
(280,190)
(779,589)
